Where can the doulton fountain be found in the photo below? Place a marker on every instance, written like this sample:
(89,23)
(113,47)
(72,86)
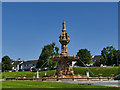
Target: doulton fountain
(64,66)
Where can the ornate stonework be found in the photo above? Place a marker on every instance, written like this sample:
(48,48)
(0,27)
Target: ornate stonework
(64,66)
(64,40)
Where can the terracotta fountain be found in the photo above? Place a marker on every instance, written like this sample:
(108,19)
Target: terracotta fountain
(64,70)
(64,66)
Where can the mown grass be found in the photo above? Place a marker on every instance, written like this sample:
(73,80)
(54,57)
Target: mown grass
(0,75)
(28,74)
(106,71)
(39,84)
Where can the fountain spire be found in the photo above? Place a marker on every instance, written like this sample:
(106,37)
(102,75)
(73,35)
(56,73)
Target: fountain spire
(64,40)
(64,26)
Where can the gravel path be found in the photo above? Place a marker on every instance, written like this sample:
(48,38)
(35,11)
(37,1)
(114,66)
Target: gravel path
(115,83)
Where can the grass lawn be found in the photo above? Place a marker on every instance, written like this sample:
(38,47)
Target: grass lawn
(0,75)
(39,84)
(106,71)
(28,74)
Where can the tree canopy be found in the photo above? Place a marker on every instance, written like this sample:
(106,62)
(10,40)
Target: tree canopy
(84,56)
(44,58)
(6,63)
(109,56)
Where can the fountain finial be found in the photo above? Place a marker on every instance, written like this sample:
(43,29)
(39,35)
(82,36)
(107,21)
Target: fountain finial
(64,26)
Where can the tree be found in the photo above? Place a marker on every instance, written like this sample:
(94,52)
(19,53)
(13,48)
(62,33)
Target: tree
(84,56)
(110,56)
(116,57)
(6,63)
(44,58)
(0,66)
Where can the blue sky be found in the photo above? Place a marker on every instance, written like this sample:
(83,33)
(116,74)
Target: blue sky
(27,27)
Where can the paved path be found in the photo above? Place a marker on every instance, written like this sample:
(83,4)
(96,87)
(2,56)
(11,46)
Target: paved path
(115,83)
(1,79)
